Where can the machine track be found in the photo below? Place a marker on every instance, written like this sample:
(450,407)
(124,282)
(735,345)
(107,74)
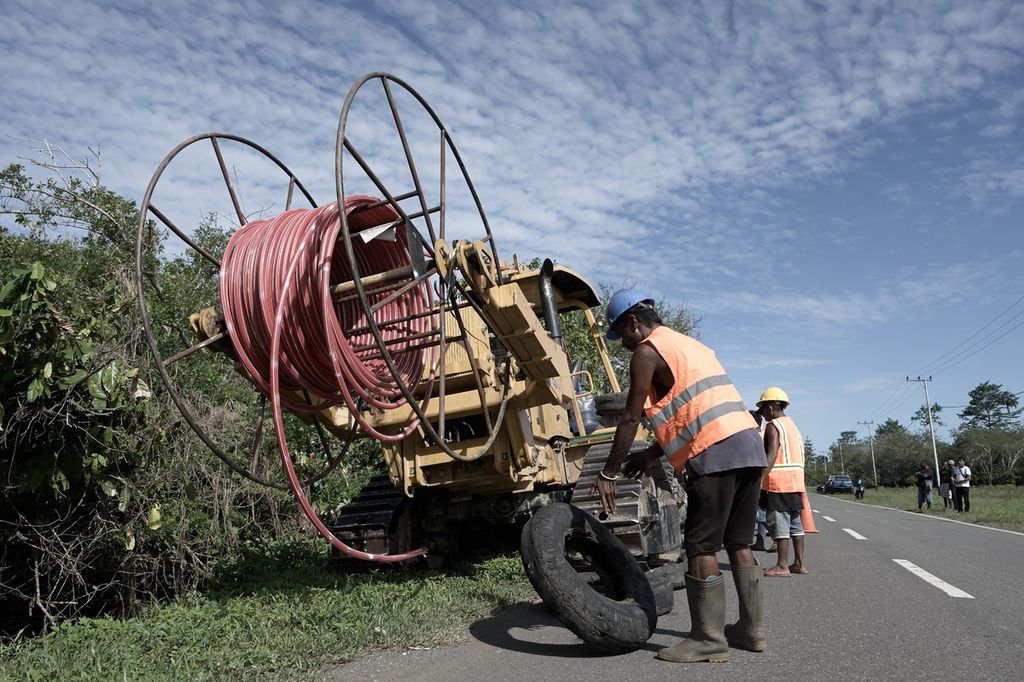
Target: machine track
(366,522)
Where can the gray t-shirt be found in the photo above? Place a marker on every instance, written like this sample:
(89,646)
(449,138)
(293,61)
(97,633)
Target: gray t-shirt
(738,451)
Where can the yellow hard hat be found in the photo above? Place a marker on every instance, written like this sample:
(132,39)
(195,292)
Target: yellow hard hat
(773,394)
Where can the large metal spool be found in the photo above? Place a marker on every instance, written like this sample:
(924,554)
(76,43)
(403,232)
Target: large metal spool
(444,256)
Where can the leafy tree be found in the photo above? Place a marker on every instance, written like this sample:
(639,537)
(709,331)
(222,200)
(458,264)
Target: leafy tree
(816,464)
(890,427)
(579,340)
(921,416)
(990,407)
(898,453)
(996,455)
(108,500)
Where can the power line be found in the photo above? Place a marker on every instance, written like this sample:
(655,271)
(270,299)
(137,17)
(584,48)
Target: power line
(951,358)
(988,324)
(903,400)
(951,363)
(900,387)
(897,398)
(960,407)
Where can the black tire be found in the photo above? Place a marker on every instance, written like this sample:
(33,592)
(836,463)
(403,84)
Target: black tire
(610,403)
(674,573)
(618,623)
(664,597)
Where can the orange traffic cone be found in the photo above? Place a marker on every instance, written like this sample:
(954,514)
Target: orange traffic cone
(806,517)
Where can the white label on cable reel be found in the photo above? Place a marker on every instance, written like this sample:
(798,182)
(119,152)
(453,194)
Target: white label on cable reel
(385,232)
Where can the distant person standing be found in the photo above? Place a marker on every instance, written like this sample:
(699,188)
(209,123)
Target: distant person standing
(946,484)
(925,483)
(782,486)
(962,486)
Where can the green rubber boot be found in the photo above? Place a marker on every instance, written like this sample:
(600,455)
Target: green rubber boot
(748,632)
(706,642)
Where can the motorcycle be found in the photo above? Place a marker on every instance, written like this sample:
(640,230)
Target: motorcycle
(858,492)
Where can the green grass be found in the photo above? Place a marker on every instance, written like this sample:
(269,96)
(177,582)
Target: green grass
(281,614)
(999,506)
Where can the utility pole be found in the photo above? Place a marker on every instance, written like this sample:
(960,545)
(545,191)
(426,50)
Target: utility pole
(931,426)
(842,465)
(871,440)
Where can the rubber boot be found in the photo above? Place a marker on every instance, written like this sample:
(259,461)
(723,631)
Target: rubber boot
(706,642)
(748,632)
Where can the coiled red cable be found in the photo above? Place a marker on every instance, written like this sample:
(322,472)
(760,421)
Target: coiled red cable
(294,339)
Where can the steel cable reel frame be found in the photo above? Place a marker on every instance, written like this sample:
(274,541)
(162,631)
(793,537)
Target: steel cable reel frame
(146,208)
(416,243)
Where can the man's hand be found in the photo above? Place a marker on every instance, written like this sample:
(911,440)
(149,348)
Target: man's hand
(638,462)
(606,489)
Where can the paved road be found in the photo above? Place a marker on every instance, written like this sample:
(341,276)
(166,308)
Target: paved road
(857,615)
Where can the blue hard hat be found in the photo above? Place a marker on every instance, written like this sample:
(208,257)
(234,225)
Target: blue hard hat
(623,300)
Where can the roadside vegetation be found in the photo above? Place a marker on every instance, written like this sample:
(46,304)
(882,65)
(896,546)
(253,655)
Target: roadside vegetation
(278,613)
(109,501)
(999,506)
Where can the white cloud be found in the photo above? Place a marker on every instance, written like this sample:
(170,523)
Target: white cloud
(996,179)
(634,139)
(777,363)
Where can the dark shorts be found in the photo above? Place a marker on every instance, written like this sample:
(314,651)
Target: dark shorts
(721,509)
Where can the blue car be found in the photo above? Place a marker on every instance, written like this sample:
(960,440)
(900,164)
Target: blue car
(839,483)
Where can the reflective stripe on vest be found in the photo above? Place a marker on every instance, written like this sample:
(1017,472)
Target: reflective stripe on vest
(787,476)
(702,407)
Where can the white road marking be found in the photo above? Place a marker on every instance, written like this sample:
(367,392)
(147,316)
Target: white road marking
(815,511)
(919,515)
(829,518)
(929,578)
(855,534)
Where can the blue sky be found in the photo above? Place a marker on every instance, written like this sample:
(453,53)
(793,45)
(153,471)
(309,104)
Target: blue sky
(835,187)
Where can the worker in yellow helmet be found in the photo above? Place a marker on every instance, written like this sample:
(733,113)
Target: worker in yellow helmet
(782,485)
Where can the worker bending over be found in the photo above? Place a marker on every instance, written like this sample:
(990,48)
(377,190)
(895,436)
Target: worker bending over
(701,425)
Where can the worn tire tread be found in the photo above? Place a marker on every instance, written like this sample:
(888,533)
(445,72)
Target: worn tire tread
(605,624)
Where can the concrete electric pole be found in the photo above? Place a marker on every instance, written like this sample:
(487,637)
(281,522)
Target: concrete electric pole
(871,440)
(931,426)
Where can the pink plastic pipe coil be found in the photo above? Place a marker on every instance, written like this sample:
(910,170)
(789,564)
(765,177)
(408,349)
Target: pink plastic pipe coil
(292,337)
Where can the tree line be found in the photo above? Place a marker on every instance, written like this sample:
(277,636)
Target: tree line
(990,436)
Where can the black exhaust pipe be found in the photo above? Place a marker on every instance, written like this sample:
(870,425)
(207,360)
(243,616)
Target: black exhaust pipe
(547,300)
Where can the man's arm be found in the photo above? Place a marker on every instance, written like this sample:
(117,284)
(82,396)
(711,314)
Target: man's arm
(771,449)
(641,373)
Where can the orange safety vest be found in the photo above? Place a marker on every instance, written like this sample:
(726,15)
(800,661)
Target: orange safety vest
(702,407)
(787,476)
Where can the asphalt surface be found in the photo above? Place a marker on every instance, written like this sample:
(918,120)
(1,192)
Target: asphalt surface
(857,615)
